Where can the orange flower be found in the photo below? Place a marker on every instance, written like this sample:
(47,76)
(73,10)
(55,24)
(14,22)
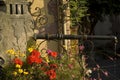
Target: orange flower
(17,61)
(51,73)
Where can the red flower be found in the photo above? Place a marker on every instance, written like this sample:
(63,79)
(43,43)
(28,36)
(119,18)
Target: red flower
(53,66)
(35,53)
(17,61)
(51,73)
(53,54)
(34,57)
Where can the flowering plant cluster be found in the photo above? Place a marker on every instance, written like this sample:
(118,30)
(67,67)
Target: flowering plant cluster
(32,66)
(45,64)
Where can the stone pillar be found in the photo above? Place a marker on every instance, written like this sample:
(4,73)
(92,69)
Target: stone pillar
(67,24)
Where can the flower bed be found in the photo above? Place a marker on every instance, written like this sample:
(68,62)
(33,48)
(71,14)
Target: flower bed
(46,64)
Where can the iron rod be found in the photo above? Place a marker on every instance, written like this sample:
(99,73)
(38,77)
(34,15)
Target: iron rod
(62,36)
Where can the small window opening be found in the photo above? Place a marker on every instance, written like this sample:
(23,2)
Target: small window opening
(22,9)
(16,6)
(16,9)
(11,9)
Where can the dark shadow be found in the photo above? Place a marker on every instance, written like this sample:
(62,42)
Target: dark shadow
(2,6)
(51,6)
(52,28)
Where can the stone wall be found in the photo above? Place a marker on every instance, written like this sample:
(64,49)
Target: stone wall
(16,26)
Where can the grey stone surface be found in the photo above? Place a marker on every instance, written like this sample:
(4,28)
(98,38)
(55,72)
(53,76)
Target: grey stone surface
(15,30)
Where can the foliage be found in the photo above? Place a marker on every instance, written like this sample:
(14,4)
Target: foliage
(32,66)
(78,9)
(45,64)
(95,8)
(86,13)
(103,7)
(98,9)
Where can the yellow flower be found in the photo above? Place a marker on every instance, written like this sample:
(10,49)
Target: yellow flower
(20,70)
(11,51)
(14,73)
(47,59)
(22,55)
(25,72)
(18,66)
(30,49)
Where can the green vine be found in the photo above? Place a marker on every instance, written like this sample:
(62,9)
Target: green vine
(78,9)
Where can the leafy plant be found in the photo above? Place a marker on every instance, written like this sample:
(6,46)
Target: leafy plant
(78,9)
(32,65)
(45,64)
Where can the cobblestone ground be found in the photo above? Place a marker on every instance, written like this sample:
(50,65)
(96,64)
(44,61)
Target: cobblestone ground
(100,55)
(111,66)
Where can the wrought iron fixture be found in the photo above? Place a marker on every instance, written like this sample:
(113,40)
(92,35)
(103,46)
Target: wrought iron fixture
(62,36)
(40,18)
